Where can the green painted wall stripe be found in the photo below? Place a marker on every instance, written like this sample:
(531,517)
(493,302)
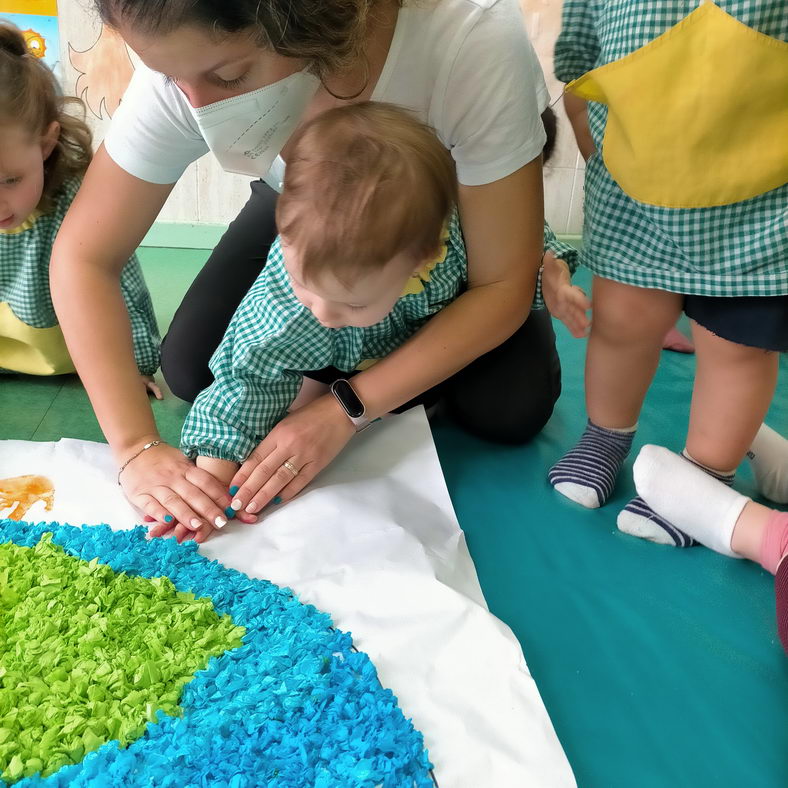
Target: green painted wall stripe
(185,235)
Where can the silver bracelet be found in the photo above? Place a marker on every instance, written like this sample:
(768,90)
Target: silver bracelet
(134,456)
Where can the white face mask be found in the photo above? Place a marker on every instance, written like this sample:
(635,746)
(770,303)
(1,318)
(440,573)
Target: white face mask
(247,132)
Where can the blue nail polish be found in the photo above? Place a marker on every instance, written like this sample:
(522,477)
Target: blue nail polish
(276,501)
(230,512)
(168,518)
(234,489)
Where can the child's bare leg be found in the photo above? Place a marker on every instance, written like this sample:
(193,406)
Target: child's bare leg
(769,457)
(623,352)
(628,326)
(734,385)
(749,530)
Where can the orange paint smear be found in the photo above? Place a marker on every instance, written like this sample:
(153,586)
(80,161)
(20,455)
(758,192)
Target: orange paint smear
(20,493)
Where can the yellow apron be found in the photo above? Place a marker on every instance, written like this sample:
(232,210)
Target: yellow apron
(699,116)
(23,348)
(33,351)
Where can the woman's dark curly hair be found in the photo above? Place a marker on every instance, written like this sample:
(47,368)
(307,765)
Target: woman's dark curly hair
(327,33)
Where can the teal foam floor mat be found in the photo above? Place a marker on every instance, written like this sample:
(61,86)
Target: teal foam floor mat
(659,667)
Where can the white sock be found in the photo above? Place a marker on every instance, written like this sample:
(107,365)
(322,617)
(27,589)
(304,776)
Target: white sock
(769,457)
(689,498)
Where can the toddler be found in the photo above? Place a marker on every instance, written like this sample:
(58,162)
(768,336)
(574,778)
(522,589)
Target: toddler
(44,151)
(684,209)
(369,249)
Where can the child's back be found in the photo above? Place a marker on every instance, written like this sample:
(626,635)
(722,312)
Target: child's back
(719,244)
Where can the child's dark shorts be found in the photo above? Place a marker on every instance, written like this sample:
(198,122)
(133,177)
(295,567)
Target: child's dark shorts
(755,321)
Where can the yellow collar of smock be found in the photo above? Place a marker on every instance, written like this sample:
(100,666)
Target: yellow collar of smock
(417,281)
(27,224)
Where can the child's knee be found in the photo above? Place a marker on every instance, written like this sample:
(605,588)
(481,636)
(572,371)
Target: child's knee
(625,315)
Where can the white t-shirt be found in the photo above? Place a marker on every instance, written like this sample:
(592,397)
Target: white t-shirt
(465,67)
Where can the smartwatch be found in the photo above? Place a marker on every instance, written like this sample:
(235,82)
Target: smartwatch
(350,402)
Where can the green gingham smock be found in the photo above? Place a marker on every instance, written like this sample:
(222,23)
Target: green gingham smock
(24,280)
(273,338)
(730,250)
(563,251)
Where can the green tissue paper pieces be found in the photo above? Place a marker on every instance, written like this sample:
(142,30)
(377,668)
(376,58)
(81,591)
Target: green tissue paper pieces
(88,655)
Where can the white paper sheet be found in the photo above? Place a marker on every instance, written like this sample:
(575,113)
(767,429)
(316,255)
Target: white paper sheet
(375,543)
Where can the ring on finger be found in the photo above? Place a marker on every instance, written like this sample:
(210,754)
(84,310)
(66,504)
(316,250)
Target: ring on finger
(290,467)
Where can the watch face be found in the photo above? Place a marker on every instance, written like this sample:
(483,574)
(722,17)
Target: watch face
(353,406)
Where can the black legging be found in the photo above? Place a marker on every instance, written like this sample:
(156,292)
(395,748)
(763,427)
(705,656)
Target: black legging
(506,395)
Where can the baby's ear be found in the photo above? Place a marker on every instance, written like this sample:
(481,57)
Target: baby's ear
(49,139)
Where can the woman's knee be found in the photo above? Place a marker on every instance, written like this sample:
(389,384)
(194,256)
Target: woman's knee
(511,424)
(185,372)
(205,312)
(508,395)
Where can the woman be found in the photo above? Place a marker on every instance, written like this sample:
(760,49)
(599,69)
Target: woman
(236,79)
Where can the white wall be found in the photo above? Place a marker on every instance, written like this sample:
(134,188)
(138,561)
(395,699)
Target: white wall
(206,194)
(565,174)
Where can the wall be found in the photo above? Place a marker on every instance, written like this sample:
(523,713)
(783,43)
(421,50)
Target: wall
(565,174)
(209,197)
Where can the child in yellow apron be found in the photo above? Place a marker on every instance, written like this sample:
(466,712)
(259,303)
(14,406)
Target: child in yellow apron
(685,209)
(43,155)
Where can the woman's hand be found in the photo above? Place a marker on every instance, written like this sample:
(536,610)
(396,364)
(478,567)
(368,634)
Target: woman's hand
(223,471)
(171,489)
(565,301)
(292,454)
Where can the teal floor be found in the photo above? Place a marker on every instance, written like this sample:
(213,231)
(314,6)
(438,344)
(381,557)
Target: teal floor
(47,409)
(659,667)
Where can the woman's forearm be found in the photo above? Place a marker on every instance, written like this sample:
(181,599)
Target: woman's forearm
(478,321)
(502,223)
(103,227)
(96,326)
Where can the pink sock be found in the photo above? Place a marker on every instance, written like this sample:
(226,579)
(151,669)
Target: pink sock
(775,541)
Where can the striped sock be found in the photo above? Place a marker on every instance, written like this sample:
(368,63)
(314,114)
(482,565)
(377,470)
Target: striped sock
(637,518)
(587,474)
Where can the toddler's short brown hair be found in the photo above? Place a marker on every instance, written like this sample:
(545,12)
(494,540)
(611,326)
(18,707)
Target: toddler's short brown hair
(363,184)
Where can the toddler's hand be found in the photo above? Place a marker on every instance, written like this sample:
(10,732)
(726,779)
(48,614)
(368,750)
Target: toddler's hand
(151,386)
(565,301)
(223,471)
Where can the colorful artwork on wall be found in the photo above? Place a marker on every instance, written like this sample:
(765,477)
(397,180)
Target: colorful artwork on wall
(37,19)
(104,71)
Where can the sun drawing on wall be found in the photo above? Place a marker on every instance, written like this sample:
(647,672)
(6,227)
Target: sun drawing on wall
(36,44)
